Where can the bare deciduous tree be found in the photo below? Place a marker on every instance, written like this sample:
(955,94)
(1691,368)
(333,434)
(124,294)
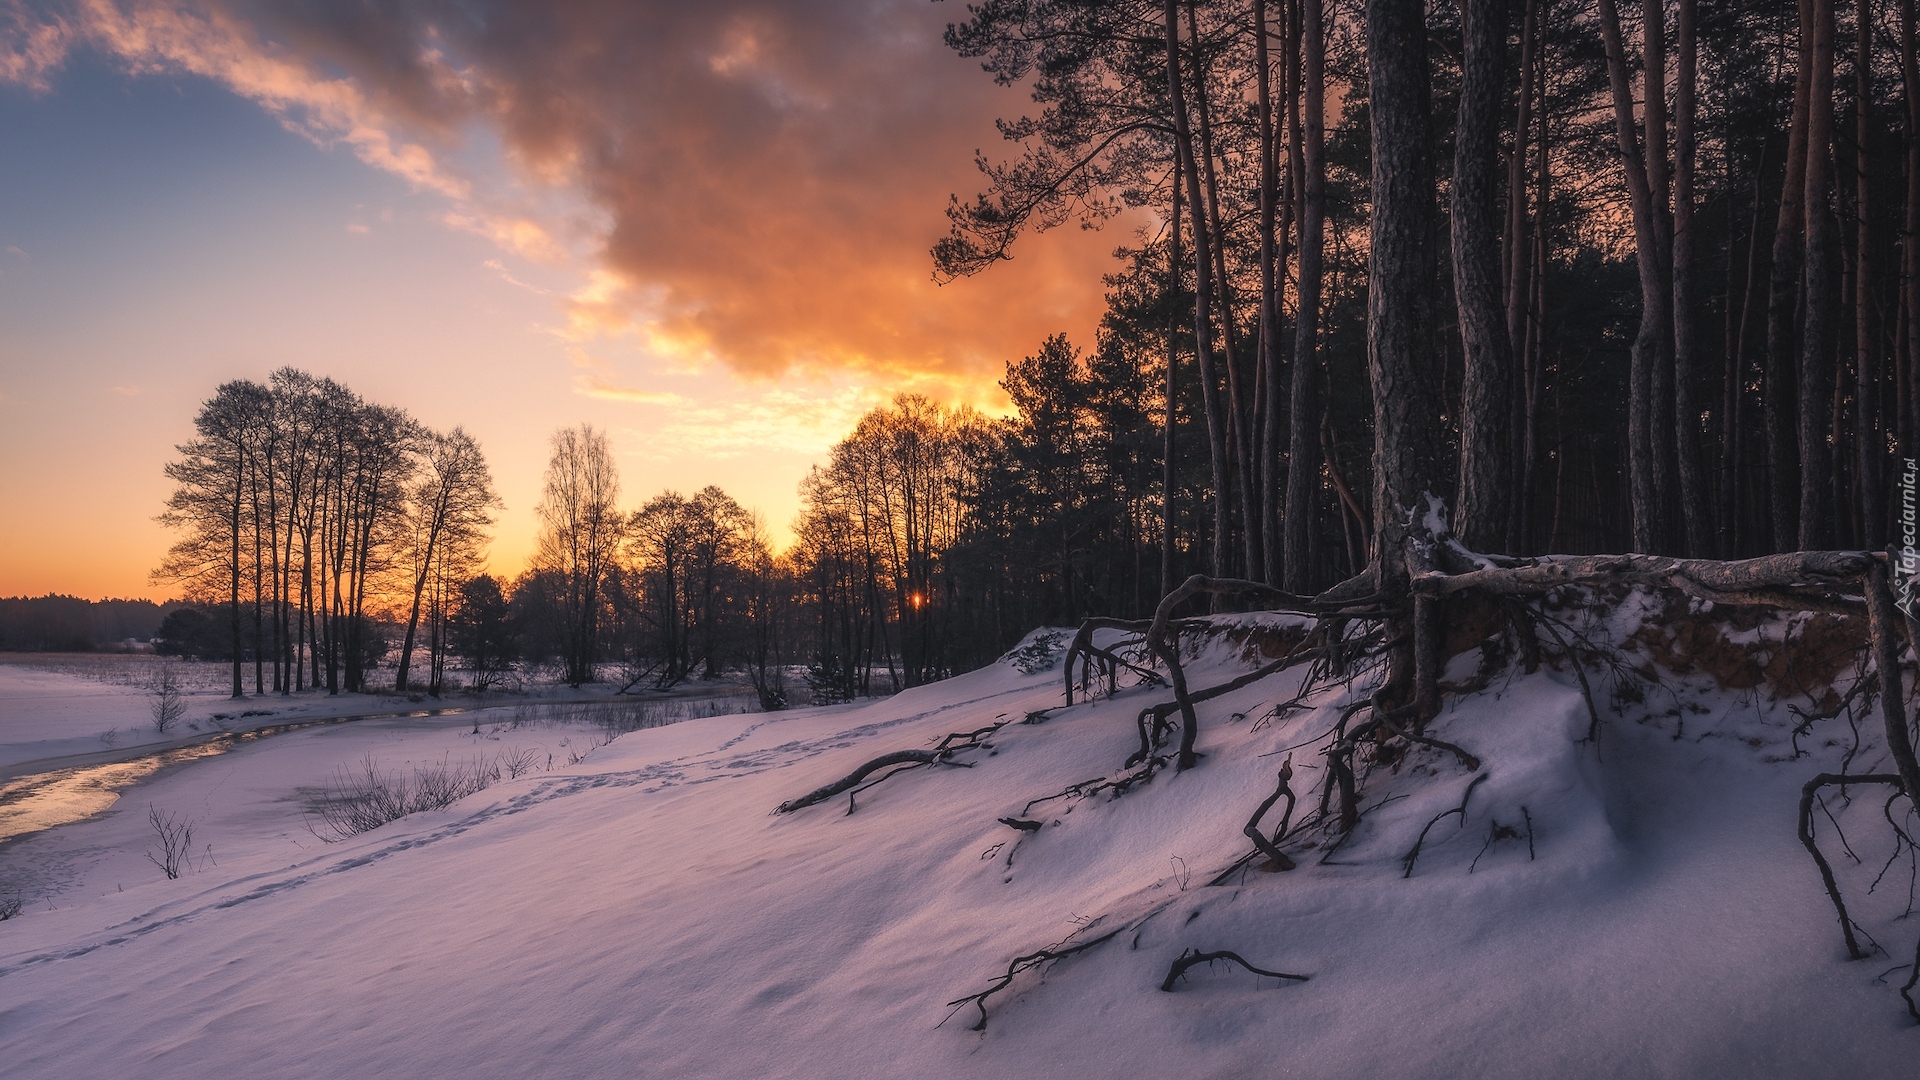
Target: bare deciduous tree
(580,529)
(448,514)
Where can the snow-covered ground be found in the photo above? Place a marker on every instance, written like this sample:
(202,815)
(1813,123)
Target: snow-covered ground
(262,797)
(1642,908)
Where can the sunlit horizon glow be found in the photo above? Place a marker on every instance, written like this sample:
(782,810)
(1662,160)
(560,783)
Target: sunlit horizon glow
(703,228)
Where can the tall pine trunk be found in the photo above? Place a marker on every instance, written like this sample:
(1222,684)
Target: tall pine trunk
(1686,335)
(1486,391)
(233,530)
(1519,269)
(1653,343)
(1529,356)
(419,590)
(1408,448)
(1818,334)
(1303,443)
(1733,434)
(1241,444)
(1168,471)
(1202,293)
(1908,400)
(1660,361)
(1269,352)
(1781,408)
(1868,437)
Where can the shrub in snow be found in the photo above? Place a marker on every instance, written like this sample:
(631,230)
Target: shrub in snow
(1038,652)
(169,701)
(174,836)
(369,798)
(832,680)
(518,761)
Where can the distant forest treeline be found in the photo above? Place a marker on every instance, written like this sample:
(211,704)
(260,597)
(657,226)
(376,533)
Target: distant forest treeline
(322,537)
(55,623)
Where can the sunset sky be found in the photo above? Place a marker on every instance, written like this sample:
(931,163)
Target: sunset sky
(703,227)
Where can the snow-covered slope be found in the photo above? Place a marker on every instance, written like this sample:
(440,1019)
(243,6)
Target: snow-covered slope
(1639,909)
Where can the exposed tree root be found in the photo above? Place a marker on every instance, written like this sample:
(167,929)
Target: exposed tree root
(1408,859)
(1160,642)
(1018,965)
(1913,978)
(941,754)
(1861,687)
(1083,649)
(1495,833)
(1276,859)
(1406,631)
(1240,865)
(1153,717)
(1086,789)
(1807,794)
(1466,759)
(1194,957)
(1903,844)
(1580,673)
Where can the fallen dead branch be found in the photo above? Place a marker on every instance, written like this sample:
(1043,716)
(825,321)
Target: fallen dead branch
(1194,958)
(1797,580)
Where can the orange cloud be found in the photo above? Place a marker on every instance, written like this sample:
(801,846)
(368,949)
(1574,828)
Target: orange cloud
(751,182)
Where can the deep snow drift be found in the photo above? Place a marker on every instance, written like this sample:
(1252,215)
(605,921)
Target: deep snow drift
(1639,908)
